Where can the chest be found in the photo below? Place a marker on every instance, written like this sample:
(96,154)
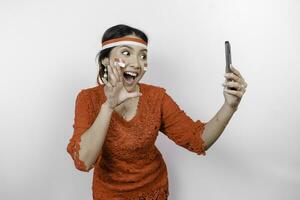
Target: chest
(128,109)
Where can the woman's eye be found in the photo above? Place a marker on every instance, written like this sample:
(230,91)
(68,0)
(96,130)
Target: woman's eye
(144,56)
(125,53)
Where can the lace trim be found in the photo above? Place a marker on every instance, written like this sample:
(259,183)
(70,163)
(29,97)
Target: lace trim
(75,155)
(199,145)
(158,194)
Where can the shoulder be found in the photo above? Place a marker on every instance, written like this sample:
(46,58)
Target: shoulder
(96,93)
(92,91)
(153,89)
(91,95)
(152,92)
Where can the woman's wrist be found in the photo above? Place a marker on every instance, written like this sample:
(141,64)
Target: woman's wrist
(106,104)
(231,108)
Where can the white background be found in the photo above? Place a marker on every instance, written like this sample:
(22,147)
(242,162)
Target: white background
(48,50)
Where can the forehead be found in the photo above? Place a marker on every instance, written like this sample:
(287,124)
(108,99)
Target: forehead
(133,47)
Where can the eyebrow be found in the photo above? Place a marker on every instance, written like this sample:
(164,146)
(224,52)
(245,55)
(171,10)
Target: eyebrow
(132,48)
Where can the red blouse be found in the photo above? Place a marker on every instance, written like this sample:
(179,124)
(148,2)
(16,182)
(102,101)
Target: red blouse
(130,166)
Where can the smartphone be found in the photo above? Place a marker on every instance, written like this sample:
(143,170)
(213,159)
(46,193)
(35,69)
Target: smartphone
(228,56)
(228,60)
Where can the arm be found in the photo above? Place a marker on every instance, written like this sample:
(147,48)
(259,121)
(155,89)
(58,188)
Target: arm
(89,134)
(93,139)
(180,127)
(217,124)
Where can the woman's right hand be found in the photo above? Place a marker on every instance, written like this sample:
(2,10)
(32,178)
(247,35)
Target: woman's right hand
(114,89)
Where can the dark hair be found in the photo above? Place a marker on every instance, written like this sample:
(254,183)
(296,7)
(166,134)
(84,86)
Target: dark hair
(113,32)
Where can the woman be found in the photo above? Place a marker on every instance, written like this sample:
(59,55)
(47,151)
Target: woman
(116,123)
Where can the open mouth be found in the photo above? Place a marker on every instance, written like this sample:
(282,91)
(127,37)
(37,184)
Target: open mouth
(129,77)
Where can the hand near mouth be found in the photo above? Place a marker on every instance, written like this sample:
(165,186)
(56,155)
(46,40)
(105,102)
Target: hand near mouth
(114,89)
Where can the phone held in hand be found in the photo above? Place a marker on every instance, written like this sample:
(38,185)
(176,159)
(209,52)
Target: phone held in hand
(228,59)
(227,56)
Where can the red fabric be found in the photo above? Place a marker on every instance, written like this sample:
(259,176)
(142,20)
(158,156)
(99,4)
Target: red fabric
(130,166)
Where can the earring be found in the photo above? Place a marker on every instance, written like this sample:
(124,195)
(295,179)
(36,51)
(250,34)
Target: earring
(105,72)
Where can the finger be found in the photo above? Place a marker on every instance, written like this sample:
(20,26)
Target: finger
(118,68)
(134,94)
(239,81)
(106,82)
(113,70)
(232,76)
(234,92)
(112,77)
(236,85)
(116,73)
(236,71)
(233,84)
(109,78)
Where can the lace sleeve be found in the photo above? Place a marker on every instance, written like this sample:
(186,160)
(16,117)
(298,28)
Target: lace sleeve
(180,128)
(82,121)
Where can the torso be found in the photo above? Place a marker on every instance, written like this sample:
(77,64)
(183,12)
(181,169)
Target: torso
(130,148)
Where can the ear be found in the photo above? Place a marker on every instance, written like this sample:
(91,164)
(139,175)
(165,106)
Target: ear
(105,61)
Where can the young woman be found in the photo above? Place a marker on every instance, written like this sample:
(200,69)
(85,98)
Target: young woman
(117,122)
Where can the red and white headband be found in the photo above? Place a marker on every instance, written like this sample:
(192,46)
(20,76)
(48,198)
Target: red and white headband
(123,41)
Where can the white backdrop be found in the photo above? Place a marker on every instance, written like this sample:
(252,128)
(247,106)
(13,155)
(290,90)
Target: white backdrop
(48,51)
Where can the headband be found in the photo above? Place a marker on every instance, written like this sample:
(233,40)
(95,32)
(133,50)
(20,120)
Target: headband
(122,41)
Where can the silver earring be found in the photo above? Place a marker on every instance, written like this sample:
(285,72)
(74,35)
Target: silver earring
(105,72)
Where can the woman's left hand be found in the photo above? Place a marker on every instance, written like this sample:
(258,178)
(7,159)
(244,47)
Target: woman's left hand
(233,97)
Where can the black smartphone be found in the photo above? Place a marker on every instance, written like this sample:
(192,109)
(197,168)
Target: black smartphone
(228,59)
(228,56)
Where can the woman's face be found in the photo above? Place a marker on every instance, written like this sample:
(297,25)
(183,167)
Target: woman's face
(135,58)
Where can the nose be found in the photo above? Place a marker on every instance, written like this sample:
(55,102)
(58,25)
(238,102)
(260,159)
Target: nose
(134,63)
(135,67)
